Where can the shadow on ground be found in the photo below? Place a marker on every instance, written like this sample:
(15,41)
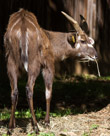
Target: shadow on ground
(75,93)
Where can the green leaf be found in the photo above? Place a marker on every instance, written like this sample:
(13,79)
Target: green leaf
(85,134)
(94,126)
(5,135)
(16,113)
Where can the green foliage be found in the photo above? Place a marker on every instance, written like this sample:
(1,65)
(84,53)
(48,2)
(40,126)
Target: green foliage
(46,134)
(40,114)
(41,134)
(104,78)
(85,134)
(4,115)
(5,135)
(32,134)
(94,126)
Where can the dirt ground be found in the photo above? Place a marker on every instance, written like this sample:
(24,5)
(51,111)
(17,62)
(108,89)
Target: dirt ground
(91,124)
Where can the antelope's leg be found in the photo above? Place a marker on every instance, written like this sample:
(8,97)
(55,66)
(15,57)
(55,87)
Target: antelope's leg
(12,73)
(32,75)
(48,75)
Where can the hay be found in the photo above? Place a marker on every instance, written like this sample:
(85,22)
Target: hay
(71,125)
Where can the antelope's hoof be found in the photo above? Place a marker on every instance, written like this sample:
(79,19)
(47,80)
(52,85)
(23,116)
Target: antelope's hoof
(9,132)
(10,128)
(47,124)
(36,129)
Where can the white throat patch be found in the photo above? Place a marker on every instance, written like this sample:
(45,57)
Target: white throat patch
(77,46)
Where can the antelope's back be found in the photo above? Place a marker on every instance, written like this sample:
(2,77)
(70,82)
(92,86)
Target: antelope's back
(23,35)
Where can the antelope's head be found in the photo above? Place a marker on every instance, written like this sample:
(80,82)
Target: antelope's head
(83,43)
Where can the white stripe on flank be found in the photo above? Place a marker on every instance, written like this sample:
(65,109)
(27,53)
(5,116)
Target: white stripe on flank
(27,44)
(26,52)
(18,33)
(32,23)
(20,41)
(26,66)
(14,24)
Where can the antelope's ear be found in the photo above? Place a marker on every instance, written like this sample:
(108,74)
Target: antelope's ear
(91,41)
(84,25)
